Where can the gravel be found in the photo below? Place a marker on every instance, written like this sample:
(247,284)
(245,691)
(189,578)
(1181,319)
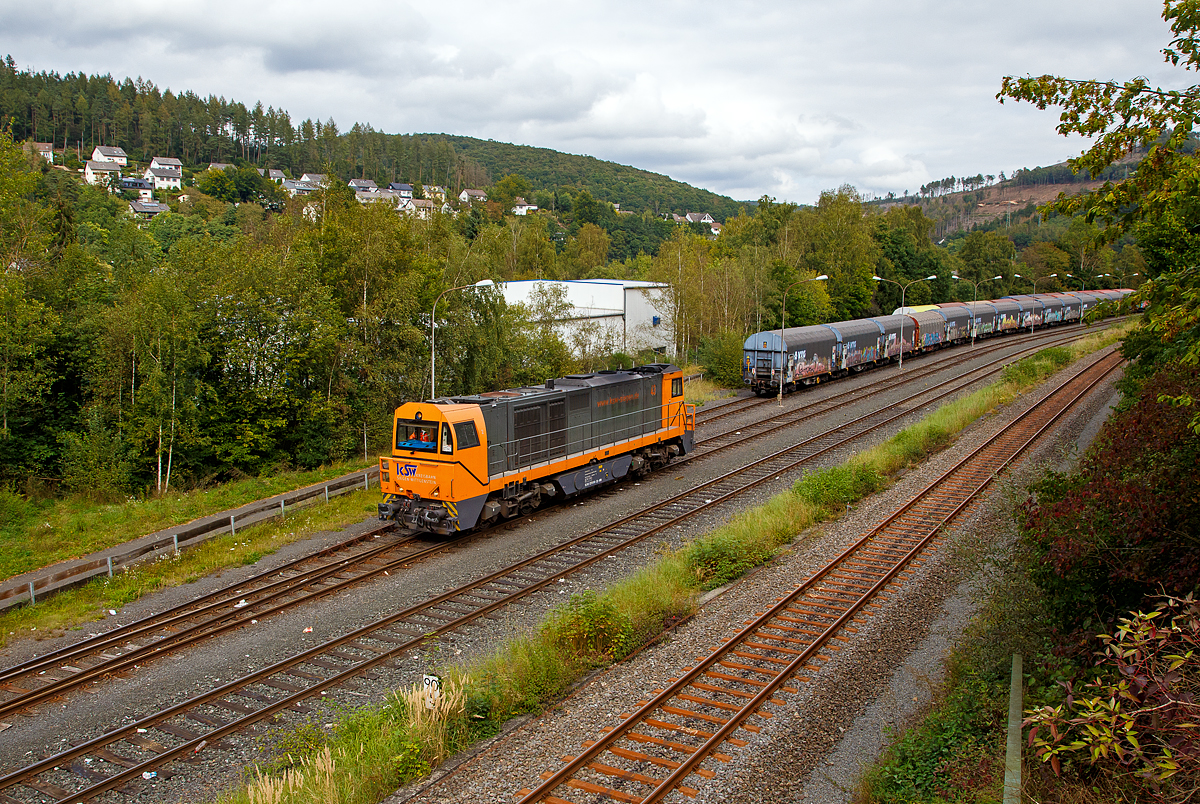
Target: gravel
(514,761)
(814,748)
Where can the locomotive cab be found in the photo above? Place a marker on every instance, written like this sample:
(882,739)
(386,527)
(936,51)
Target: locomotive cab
(436,475)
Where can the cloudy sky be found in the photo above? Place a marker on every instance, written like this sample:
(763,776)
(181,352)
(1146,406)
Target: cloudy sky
(783,98)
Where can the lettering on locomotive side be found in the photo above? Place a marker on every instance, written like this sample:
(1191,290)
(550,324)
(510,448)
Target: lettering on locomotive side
(407,470)
(618,399)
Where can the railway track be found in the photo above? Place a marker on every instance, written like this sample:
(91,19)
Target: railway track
(332,570)
(376,552)
(119,757)
(659,751)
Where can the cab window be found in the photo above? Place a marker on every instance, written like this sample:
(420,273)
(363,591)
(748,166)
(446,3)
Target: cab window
(415,435)
(677,387)
(466,434)
(447,440)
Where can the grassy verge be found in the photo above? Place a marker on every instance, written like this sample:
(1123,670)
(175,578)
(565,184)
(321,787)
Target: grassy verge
(35,534)
(73,607)
(594,630)
(700,392)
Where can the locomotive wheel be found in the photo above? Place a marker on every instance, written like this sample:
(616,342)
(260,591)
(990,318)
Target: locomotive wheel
(527,507)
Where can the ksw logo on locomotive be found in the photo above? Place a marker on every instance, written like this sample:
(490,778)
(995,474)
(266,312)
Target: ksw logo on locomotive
(408,470)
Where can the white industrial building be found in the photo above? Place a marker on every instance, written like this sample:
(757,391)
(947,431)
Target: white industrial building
(604,316)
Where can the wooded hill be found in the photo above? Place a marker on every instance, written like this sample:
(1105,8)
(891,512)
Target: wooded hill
(76,112)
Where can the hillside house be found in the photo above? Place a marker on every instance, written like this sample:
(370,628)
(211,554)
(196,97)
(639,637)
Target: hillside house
(405,190)
(143,188)
(472,196)
(219,165)
(294,188)
(522,207)
(436,192)
(276,176)
(377,196)
(110,153)
(316,179)
(164,179)
(167,163)
(100,173)
(422,208)
(147,209)
(43,149)
(698,217)
(365,185)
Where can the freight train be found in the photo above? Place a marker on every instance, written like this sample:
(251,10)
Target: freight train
(808,355)
(463,461)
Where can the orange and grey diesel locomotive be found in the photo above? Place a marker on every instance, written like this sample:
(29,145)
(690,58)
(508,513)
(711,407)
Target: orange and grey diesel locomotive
(462,461)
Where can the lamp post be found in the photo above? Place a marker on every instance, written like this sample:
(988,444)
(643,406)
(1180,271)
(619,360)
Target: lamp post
(903,290)
(975,298)
(482,283)
(1040,278)
(783,325)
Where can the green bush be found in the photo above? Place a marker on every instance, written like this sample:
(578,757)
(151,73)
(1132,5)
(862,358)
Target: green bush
(590,627)
(721,356)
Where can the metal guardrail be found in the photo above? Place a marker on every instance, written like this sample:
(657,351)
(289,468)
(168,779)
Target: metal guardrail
(32,586)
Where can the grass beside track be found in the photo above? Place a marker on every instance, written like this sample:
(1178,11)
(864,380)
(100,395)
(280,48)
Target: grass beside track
(92,601)
(370,752)
(36,534)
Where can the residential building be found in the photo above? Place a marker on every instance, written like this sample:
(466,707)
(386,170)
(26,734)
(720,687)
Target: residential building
(147,209)
(472,196)
(522,207)
(167,163)
(276,176)
(698,217)
(422,208)
(100,172)
(294,188)
(110,153)
(218,165)
(313,178)
(43,149)
(405,190)
(164,179)
(143,188)
(377,196)
(435,192)
(363,184)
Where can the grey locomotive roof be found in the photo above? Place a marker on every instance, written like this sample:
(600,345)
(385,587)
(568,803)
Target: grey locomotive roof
(559,385)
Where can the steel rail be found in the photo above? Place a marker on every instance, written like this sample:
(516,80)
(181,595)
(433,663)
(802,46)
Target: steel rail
(229,621)
(1030,426)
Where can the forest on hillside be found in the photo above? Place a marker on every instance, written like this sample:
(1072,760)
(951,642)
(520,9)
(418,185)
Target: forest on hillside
(76,112)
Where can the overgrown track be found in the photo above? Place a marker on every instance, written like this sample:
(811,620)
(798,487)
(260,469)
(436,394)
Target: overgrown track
(655,752)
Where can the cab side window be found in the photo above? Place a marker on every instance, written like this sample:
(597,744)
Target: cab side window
(447,440)
(677,387)
(466,434)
